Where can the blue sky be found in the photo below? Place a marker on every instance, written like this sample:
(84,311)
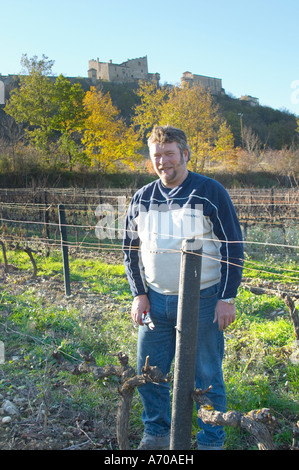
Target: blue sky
(251,45)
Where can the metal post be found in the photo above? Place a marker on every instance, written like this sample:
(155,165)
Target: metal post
(64,247)
(186,345)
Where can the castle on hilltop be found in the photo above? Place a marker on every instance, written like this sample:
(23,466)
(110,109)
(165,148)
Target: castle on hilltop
(129,71)
(137,69)
(213,84)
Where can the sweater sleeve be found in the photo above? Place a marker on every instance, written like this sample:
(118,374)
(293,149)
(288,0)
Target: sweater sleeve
(227,229)
(131,247)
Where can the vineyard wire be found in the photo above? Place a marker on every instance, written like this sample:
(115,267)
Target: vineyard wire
(84,209)
(252,242)
(112,248)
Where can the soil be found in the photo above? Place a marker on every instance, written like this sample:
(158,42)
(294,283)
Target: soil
(62,428)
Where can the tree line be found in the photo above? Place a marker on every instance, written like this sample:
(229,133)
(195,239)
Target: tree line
(62,125)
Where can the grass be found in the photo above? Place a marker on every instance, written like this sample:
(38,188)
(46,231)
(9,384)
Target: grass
(257,367)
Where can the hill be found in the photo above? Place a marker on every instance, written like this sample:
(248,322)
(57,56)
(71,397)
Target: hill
(275,128)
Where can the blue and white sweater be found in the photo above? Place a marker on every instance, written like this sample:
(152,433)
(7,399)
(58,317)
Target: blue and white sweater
(158,220)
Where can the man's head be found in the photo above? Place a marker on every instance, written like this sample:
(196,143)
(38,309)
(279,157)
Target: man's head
(166,134)
(169,154)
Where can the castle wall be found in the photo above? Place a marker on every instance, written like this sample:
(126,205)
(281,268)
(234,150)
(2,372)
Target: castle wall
(213,84)
(98,69)
(131,70)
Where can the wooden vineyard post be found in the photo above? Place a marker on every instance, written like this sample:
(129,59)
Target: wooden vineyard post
(64,248)
(186,345)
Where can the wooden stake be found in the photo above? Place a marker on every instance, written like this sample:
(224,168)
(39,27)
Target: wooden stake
(186,345)
(64,248)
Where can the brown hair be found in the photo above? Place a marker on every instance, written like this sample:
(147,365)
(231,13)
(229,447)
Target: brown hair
(165,134)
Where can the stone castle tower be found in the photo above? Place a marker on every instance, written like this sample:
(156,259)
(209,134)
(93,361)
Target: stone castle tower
(129,71)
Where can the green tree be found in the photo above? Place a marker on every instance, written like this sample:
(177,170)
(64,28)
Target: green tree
(68,117)
(32,102)
(52,110)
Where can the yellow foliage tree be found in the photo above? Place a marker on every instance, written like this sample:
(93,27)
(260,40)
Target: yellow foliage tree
(107,140)
(224,150)
(192,109)
(148,112)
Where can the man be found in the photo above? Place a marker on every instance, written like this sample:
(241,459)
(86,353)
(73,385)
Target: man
(180,205)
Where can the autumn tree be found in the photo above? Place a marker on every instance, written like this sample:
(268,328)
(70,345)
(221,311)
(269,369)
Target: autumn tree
(148,112)
(107,140)
(224,149)
(193,109)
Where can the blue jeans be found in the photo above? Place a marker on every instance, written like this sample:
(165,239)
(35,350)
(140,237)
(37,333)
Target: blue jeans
(159,345)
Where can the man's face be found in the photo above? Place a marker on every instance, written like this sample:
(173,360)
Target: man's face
(169,164)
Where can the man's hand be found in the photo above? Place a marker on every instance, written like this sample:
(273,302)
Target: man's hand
(225,314)
(140,304)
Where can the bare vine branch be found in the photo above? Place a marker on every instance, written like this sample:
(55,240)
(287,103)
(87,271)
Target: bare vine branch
(256,422)
(128,382)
